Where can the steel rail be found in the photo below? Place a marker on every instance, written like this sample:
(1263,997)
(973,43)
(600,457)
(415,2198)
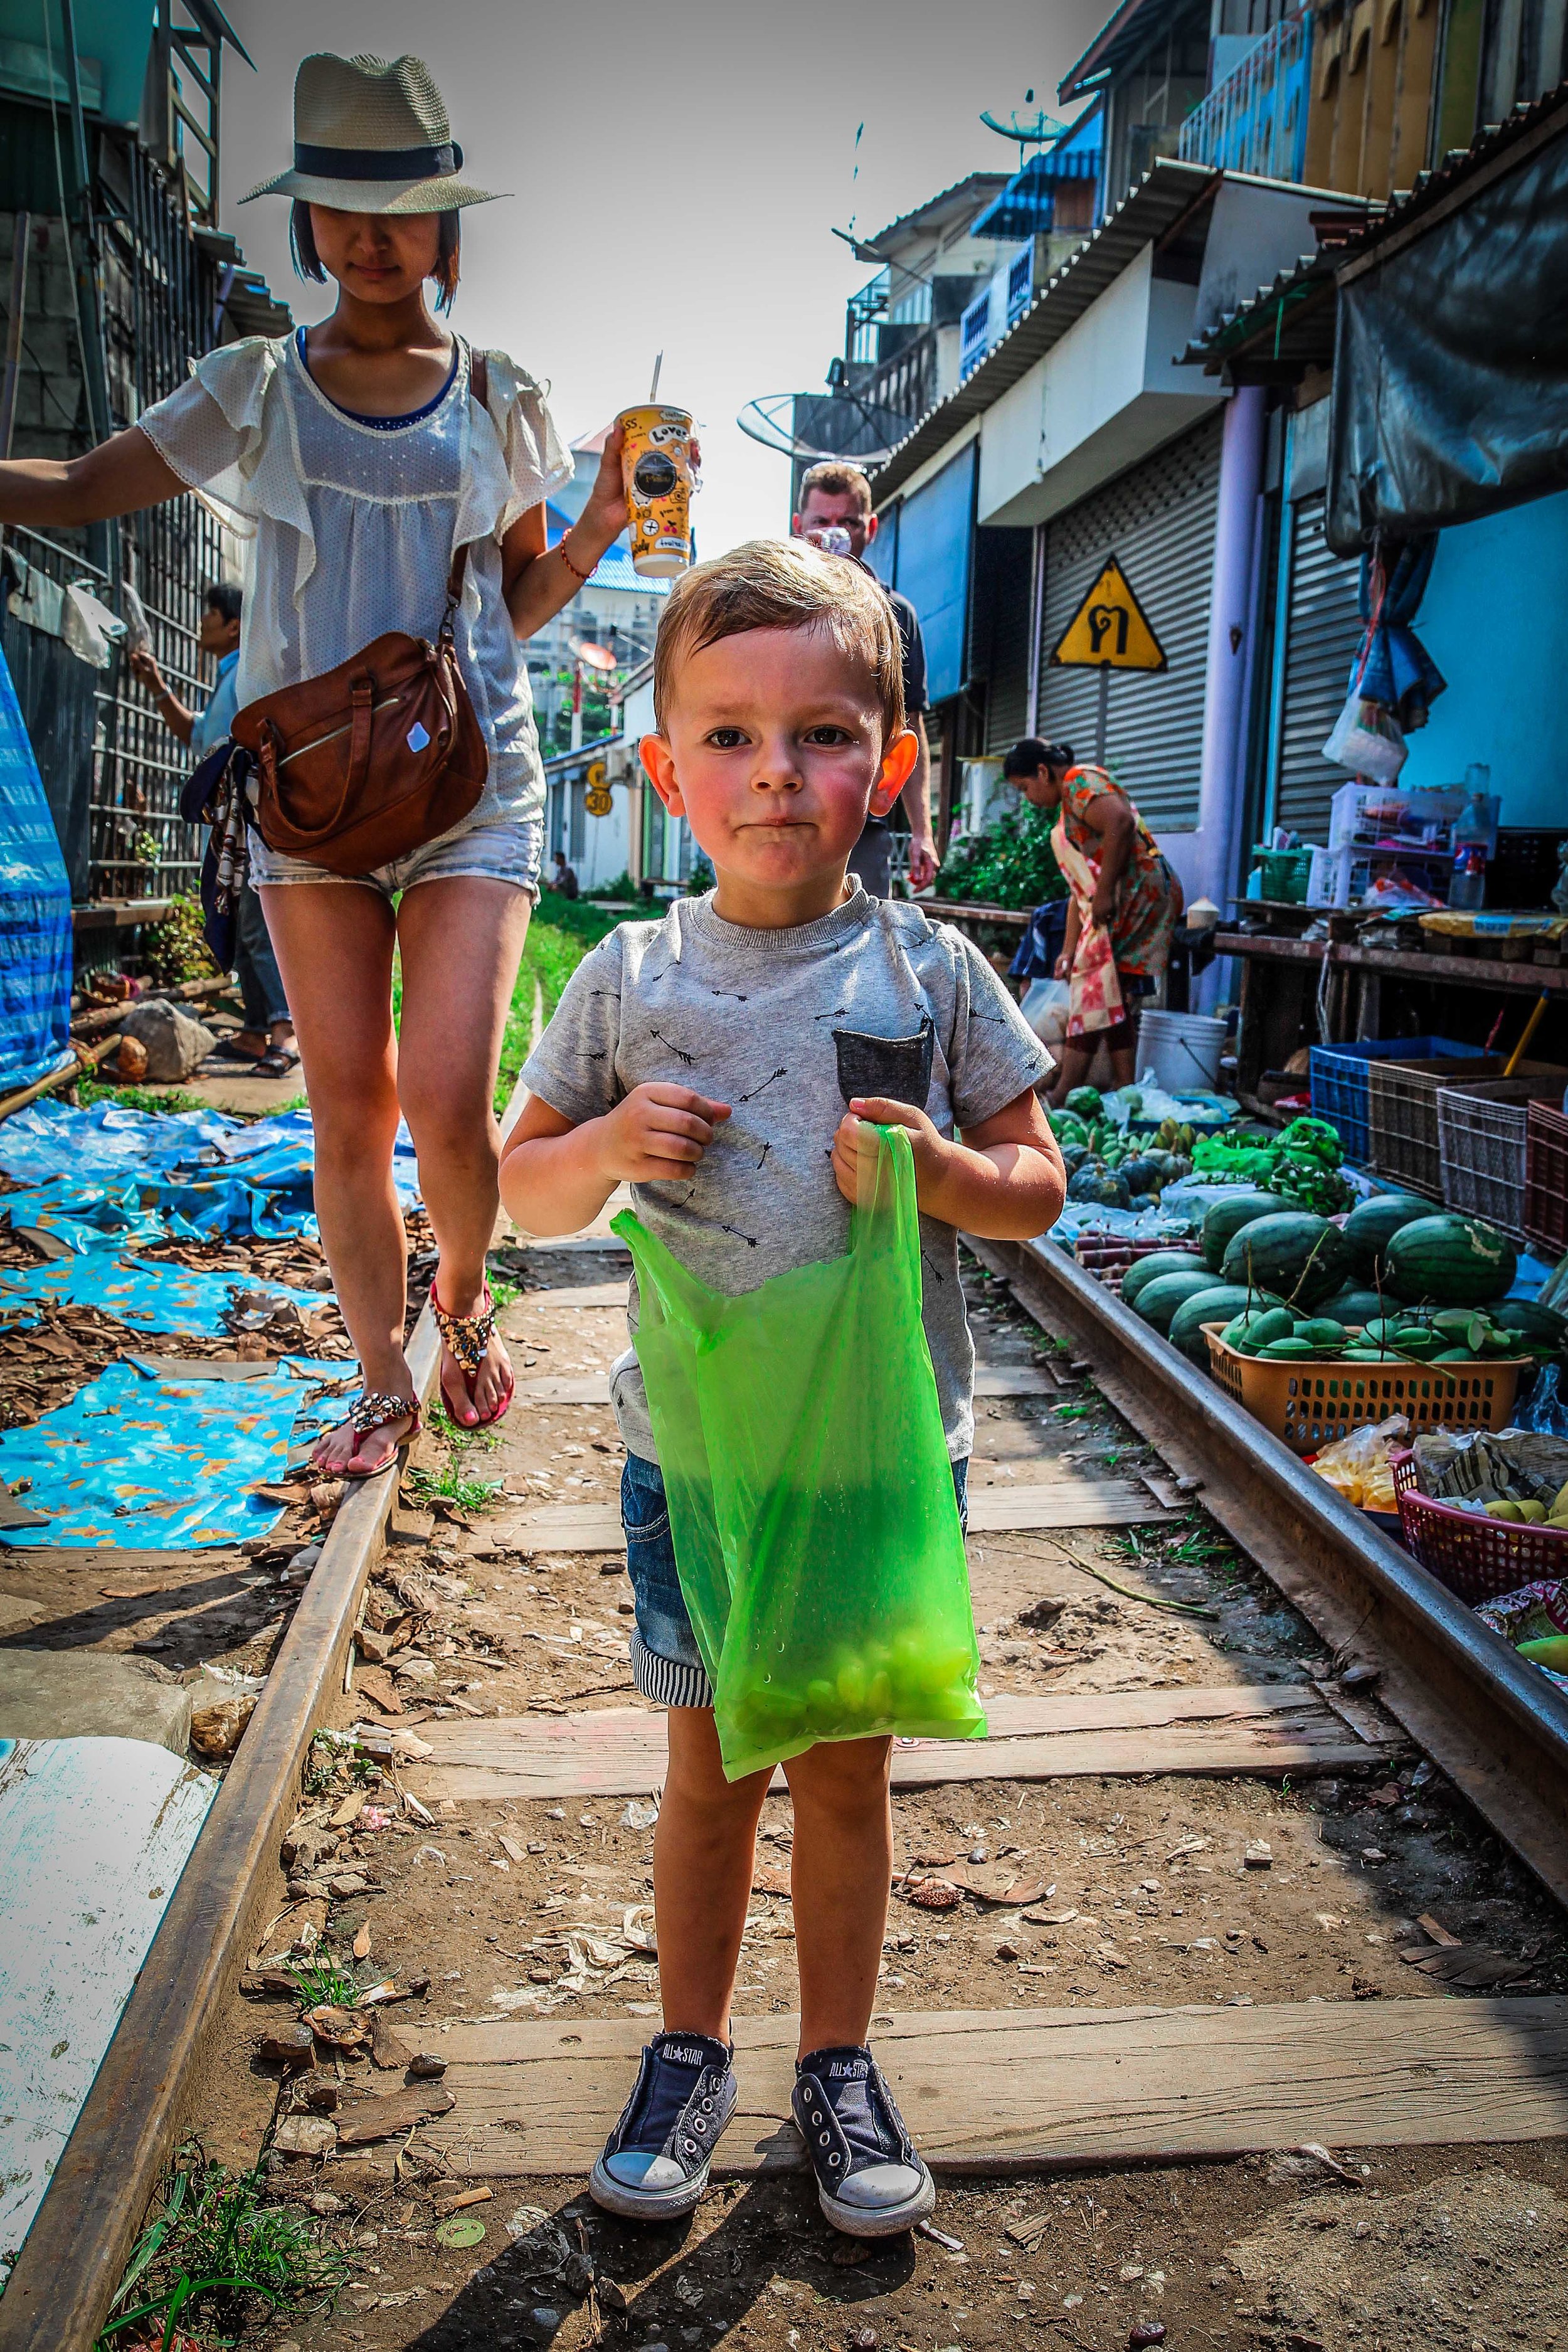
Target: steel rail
(1490,1721)
(57,2296)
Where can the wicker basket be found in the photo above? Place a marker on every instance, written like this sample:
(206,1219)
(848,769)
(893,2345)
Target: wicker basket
(1481,1133)
(1402,1116)
(1476,1558)
(1309,1405)
(1546,1180)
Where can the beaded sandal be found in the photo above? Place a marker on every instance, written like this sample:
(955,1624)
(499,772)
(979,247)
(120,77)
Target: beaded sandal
(467,1340)
(371,1411)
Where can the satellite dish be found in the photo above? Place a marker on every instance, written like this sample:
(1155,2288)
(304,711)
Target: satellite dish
(837,423)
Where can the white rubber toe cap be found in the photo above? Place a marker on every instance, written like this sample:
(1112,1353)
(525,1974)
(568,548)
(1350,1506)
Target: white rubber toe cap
(637,2168)
(882,2186)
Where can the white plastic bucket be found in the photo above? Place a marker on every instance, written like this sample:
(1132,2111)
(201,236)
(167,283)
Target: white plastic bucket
(1182,1049)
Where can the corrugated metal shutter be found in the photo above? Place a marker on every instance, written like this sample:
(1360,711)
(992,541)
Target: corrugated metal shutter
(1158,520)
(1323,632)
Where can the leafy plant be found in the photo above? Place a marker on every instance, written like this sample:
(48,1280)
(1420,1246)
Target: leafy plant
(320,1979)
(448,1484)
(559,936)
(213,2240)
(623,887)
(175,951)
(702,876)
(1011,864)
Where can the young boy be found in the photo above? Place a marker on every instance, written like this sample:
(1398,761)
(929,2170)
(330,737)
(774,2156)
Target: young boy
(695,1059)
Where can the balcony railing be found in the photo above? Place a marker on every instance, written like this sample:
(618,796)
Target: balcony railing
(975,332)
(1256,119)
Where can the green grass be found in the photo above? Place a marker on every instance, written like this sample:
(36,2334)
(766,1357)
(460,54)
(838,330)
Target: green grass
(321,1979)
(450,1485)
(88,1091)
(559,936)
(214,2241)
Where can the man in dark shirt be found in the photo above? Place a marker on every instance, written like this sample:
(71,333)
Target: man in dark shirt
(837,498)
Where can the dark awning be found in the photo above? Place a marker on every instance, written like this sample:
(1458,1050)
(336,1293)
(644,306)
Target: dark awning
(1450,394)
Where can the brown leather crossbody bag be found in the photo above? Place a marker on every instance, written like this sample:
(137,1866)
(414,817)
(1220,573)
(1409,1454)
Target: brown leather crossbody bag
(378,756)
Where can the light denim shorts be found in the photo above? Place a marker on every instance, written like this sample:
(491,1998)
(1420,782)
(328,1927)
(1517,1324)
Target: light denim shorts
(496,849)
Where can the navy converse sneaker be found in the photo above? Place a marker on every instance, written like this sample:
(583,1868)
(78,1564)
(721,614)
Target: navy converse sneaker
(655,2164)
(869,2179)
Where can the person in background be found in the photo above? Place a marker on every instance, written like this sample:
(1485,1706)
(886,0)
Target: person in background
(565,879)
(265,1044)
(836,498)
(1125,901)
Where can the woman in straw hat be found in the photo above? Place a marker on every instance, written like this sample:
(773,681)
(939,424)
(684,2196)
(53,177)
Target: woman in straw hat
(361,459)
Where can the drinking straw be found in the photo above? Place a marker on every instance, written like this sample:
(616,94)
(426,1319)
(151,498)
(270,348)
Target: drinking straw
(653,388)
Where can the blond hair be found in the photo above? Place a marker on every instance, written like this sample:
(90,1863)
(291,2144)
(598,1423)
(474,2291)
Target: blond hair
(783,584)
(838,481)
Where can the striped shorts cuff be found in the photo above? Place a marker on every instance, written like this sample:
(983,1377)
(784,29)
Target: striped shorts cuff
(667,1681)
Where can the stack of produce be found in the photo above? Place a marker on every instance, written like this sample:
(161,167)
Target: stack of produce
(1300,1164)
(1107,1165)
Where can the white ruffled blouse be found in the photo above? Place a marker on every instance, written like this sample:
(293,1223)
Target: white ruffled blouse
(351,526)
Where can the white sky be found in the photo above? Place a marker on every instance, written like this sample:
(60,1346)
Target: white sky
(676,170)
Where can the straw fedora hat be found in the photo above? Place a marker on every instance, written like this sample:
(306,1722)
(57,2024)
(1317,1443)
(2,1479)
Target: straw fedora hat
(370,137)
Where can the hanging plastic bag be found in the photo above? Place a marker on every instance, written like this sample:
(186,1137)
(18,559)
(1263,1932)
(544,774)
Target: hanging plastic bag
(1367,740)
(1045,1006)
(811,1497)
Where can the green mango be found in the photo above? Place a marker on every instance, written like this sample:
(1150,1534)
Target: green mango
(1322,1331)
(1291,1350)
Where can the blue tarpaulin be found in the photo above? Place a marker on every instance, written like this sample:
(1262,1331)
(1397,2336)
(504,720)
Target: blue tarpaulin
(149,1461)
(147,1294)
(34,912)
(222,1175)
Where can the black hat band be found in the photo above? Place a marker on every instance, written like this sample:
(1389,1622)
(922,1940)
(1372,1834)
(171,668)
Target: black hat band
(378,162)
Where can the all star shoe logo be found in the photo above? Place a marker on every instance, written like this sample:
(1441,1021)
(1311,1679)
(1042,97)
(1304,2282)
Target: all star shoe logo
(847,2070)
(680,2056)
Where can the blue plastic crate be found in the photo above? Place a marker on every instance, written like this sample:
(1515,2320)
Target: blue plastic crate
(1339,1080)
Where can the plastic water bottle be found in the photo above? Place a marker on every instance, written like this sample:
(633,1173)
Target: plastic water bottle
(1467,883)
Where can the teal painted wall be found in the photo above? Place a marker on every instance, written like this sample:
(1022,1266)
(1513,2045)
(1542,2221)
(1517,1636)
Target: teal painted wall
(1495,621)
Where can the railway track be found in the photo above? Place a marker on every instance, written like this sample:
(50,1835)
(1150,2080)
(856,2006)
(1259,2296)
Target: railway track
(1498,1731)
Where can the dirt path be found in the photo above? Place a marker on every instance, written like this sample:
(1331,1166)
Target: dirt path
(1154,1891)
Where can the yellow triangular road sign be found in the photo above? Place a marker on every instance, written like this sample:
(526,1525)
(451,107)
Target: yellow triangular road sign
(1109,630)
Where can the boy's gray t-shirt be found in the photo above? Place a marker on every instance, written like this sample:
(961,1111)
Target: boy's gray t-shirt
(747,1017)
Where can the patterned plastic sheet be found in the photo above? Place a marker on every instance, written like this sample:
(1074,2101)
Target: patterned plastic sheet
(143,1460)
(218,1173)
(147,1294)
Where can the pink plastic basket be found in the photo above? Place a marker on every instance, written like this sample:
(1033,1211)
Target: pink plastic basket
(1476,1558)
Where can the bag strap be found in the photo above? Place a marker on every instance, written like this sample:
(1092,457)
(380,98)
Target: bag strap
(480,390)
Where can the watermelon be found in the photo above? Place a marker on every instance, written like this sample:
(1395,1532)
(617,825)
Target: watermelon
(1217,1304)
(1302,1257)
(1149,1269)
(1354,1304)
(1159,1300)
(1371,1228)
(1457,1261)
(1227,1217)
(1539,1325)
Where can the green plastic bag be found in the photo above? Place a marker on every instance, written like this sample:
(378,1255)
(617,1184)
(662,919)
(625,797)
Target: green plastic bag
(810,1493)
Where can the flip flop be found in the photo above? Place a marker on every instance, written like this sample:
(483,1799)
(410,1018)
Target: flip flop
(467,1340)
(371,1411)
(277,1063)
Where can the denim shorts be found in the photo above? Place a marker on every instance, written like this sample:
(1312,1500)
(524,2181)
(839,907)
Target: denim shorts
(496,849)
(667,1665)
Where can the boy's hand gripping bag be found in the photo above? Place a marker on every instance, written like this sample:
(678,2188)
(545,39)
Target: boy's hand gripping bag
(811,1496)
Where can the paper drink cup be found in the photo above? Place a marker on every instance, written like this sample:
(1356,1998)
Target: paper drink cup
(655,466)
